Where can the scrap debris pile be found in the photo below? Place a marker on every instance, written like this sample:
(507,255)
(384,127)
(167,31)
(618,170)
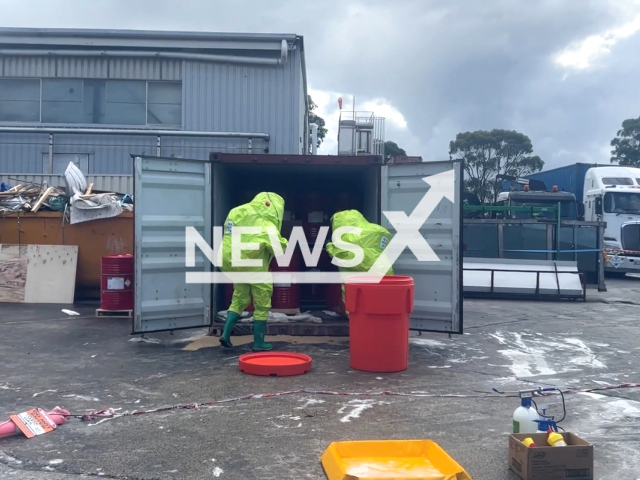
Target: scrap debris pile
(77,200)
(30,197)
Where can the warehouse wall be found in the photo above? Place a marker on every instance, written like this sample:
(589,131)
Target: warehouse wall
(215,97)
(250,98)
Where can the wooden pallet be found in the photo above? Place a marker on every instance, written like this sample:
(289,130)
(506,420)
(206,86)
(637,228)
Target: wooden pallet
(114,313)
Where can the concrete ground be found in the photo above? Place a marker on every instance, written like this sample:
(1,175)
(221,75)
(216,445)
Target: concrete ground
(84,363)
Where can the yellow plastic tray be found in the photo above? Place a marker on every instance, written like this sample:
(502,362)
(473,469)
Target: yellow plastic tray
(390,460)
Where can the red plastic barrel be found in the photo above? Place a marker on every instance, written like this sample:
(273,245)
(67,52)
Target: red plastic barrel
(379,323)
(286,295)
(228,295)
(116,282)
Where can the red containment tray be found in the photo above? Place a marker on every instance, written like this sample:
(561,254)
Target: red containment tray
(275,364)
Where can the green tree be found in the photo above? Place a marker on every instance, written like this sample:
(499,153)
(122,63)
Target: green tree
(318,120)
(391,149)
(626,145)
(486,154)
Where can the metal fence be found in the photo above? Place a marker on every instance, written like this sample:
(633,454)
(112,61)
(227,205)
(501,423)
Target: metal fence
(530,239)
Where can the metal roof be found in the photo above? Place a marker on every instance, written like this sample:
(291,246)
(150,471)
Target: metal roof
(99,38)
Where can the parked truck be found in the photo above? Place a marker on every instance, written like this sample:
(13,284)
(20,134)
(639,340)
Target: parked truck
(530,198)
(610,194)
(542,205)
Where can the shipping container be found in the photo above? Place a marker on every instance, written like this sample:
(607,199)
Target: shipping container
(172,194)
(567,179)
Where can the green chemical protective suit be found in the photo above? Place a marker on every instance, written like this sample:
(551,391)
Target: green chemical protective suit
(372,240)
(265,210)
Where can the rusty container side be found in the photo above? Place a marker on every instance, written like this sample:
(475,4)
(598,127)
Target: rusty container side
(95,239)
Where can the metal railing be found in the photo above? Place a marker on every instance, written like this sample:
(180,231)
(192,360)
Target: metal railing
(512,208)
(360,118)
(537,293)
(570,240)
(158,141)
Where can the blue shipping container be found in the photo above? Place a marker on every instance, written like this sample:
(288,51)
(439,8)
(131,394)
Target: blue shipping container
(567,179)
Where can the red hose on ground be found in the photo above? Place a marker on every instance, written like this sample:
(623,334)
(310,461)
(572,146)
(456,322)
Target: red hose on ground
(9,428)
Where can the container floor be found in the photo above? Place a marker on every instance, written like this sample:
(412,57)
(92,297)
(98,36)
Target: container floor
(331,326)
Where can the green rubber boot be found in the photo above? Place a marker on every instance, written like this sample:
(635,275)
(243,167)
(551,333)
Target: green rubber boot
(232,319)
(259,345)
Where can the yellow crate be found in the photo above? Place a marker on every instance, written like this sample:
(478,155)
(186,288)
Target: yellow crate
(390,459)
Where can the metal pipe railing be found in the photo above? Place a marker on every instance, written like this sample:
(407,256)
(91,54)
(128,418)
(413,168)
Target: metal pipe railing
(134,131)
(284,55)
(51,131)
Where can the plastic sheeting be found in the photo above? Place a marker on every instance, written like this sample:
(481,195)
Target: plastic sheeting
(94,207)
(75,180)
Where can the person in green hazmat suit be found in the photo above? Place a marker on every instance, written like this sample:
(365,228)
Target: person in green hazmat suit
(265,210)
(372,240)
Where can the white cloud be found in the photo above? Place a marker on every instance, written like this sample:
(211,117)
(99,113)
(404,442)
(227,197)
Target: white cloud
(328,109)
(382,108)
(583,54)
(327,103)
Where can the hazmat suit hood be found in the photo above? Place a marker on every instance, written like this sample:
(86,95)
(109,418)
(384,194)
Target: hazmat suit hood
(270,206)
(373,240)
(265,210)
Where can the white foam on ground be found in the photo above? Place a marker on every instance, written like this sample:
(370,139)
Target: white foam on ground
(531,355)
(357,407)
(309,402)
(426,342)
(611,423)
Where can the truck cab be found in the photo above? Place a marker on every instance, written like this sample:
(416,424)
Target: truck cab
(612,195)
(546,200)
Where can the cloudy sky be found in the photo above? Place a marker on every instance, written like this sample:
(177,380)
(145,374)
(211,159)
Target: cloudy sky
(564,72)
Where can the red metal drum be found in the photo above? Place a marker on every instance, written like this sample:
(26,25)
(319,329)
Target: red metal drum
(287,295)
(333,292)
(346,200)
(228,294)
(291,206)
(333,297)
(314,216)
(116,282)
(315,292)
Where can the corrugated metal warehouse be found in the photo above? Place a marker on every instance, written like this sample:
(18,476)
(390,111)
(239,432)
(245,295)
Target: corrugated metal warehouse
(95,97)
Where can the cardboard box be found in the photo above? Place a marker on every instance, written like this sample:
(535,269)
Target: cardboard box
(575,461)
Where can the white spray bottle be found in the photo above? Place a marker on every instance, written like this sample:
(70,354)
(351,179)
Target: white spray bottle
(525,417)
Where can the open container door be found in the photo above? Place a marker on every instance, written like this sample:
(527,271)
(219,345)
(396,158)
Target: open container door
(438,284)
(170,194)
